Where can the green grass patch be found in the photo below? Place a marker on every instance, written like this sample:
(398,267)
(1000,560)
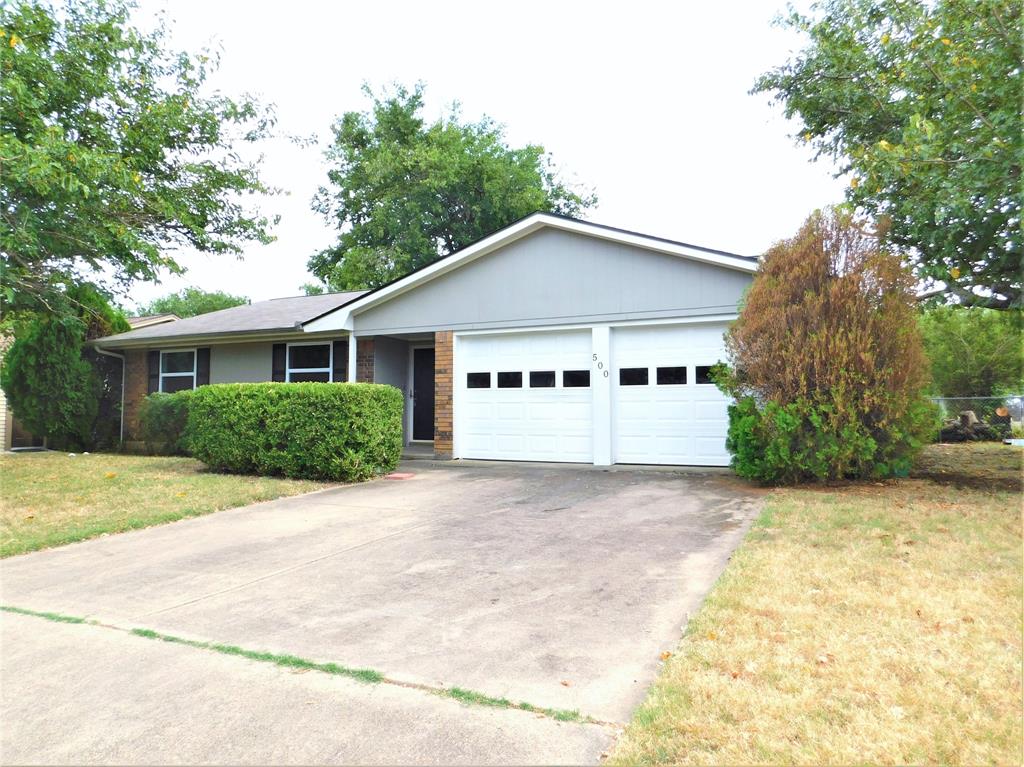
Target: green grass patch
(470,697)
(56,617)
(476,698)
(51,499)
(285,661)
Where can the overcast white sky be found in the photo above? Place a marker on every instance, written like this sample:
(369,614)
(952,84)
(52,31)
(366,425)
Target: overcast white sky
(647,102)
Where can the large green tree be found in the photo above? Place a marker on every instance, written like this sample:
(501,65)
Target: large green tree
(404,192)
(110,154)
(192,301)
(920,102)
(974,352)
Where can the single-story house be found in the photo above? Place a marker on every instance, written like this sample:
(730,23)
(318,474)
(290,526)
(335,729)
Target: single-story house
(553,339)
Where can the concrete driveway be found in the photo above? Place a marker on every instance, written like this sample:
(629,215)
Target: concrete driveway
(553,585)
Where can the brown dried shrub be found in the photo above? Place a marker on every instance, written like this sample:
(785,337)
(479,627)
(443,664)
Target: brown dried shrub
(829,331)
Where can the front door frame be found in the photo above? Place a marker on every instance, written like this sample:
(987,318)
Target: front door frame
(411,388)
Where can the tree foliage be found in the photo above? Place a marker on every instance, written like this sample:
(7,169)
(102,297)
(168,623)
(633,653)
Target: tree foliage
(403,192)
(110,153)
(827,362)
(974,352)
(921,101)
(191,302)
(59,388)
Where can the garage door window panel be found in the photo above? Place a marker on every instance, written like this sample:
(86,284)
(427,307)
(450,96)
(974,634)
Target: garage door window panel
(478,380)
(510,380)
(309,362)
(671,376)
(575,379)
(633,377)
(703,375)
(542,379)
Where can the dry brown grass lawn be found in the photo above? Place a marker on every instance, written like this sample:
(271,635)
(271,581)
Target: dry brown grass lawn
(49,499)
(861,624)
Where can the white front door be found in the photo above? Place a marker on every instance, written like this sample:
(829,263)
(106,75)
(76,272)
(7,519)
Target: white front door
(525,396)
(664,409)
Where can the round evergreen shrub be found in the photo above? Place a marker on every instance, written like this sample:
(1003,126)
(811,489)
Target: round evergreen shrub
(329,431)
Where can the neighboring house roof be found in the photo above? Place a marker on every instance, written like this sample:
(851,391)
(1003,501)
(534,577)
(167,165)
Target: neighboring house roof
(339,317)
(151,319)
(275,315)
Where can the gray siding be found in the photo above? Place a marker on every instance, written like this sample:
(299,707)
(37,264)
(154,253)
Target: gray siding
(553,277)
(241,363)
(391,366)
(391,362)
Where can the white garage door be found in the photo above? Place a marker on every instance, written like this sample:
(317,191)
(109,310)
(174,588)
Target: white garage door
(664,409)
(525,396)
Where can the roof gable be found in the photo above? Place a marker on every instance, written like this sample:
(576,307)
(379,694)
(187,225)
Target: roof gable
(553,277)
(341,317)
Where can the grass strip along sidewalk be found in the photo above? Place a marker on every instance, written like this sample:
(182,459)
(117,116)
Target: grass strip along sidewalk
(369,676)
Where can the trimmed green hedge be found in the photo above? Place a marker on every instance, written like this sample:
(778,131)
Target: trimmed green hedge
(332,431)
(162,420)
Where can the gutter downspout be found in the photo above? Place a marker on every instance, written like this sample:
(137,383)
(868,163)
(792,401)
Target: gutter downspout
(123,365)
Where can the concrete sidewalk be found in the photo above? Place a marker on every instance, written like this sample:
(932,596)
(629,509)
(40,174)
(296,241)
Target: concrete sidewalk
(74,694)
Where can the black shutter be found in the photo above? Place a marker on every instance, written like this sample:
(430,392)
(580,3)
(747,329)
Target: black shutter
(153,358)
(277,365)
(202,366)
(340,372)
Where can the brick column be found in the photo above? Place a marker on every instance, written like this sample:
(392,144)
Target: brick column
(364,360)
(443,412)
(136,385)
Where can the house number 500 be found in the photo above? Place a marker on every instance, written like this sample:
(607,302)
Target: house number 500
(600,366)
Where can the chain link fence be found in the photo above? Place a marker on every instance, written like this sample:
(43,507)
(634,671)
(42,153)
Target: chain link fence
(966,419)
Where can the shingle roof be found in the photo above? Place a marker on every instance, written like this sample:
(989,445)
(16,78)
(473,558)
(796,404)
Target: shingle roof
(277,314)
(752,259)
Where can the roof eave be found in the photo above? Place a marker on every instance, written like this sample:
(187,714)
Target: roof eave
(231,336)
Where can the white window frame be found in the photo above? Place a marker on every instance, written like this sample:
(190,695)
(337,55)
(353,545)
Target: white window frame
(288,369)
(194,373)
